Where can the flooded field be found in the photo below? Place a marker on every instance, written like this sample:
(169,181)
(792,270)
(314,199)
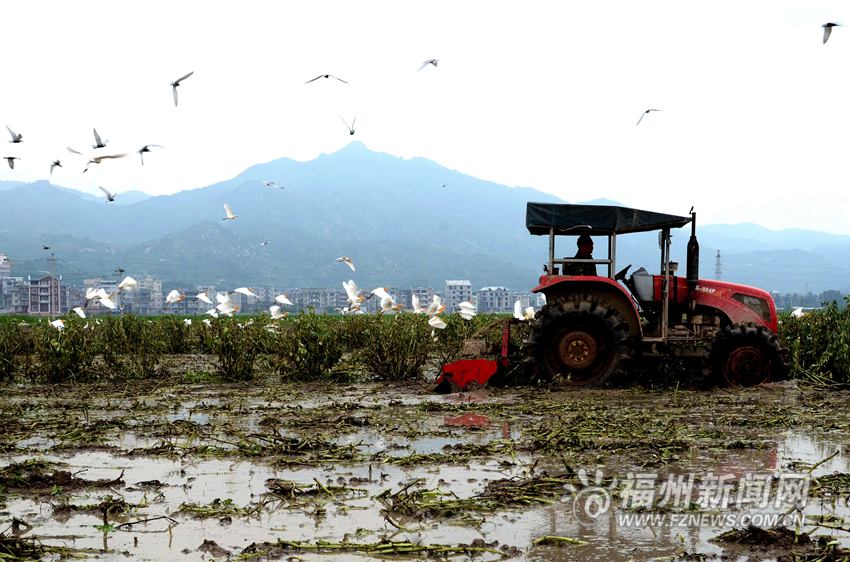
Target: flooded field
(264,471)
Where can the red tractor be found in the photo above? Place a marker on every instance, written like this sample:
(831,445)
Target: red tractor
(591,324)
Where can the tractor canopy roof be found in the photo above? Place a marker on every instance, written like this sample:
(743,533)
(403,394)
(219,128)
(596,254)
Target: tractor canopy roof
(596,219)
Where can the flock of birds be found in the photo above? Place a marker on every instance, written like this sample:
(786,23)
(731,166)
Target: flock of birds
(225,305)
(99,157)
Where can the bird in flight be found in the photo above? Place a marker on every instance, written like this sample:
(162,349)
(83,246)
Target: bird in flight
(11,161)
(177,83)
(350,127)
(276,314)
(268,183)
(109,196)
(432,62)
(99,159)
(15,136)
(202,296)
(55,164)
(347,261)
(174,296)
(827,30)
(97,142)
(326,76)
(127,284)
(147,148)
(229,212)
(645,113)
(265,243)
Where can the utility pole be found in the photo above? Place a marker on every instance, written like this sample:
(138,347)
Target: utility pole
(118,273)
(717,270)
(52,260)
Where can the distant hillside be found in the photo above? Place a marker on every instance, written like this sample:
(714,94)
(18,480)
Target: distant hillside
(405,222)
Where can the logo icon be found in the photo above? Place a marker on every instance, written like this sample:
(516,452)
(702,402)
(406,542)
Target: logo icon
(590,498)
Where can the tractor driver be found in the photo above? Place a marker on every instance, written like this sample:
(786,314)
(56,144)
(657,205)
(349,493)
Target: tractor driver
(585,252)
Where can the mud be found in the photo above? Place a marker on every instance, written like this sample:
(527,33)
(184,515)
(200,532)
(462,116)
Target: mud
(174,471)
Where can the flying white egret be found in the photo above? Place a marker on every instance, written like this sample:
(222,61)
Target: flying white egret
(467,310)
(177,83)
(97,142)
(147,148)
(127,283)
(245,291)
(58,324)
(436,322)
(187,321)
(414,303)
(347,261)
(325,76)
(436,306)
(211,312)
(105,299)
(229,212)
(275,312)
(349,127)
(203,297)
(520,314)
(80,311)
(827,31)
(109,196)
(16,138)
(432,62)
(99,159)
(642,115)
(381,292)
(281,298)
(225,304)
(174,296)
(353,292)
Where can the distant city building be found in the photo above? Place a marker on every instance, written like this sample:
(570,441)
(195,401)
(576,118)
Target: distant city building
(320,300)
(494,299)
(405,296)
(145,299)
(525,300)
(47,296)
(457,291)
(5,267)
(14,295)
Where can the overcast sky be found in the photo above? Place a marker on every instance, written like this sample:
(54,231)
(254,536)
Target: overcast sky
(755,124)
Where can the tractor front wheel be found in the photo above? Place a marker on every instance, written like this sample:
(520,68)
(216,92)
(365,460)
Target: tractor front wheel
(578,344)
(745,356)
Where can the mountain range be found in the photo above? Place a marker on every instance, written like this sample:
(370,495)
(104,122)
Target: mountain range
(404,222)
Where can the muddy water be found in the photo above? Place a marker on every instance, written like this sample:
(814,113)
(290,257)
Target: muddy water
(399,436)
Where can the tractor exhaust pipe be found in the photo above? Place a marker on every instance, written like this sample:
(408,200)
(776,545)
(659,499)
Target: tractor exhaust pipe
(693,261)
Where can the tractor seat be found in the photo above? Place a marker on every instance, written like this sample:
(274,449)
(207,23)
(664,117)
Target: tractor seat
(642,284)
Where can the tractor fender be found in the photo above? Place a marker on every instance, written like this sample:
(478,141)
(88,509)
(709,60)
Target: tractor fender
(557,287)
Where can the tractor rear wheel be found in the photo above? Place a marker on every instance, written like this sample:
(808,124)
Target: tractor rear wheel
(746,356)
(578,342)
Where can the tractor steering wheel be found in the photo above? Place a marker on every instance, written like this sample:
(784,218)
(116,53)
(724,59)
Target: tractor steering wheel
(621,275)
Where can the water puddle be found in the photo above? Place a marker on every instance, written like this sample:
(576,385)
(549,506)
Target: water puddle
(159,476)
